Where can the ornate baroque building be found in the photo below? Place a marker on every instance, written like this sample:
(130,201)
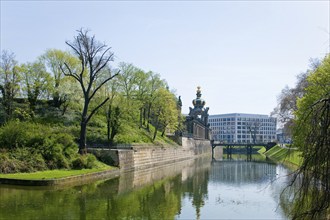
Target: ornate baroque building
(197,120)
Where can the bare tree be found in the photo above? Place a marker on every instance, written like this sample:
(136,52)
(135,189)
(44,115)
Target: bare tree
(253,127)
(93,74)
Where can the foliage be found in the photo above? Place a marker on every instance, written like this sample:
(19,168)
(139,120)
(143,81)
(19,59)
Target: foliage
(311,134)
(36,82)
(287,100)
(29,147)
(86,161)
(60,91)
(9,82)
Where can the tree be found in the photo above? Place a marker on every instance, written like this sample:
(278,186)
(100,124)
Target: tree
(253,127)
(54,59)
(112,111)
(9,82)
(287,100)
(165,111)
(37,82)
(155,83)
(94,57)
(127,86)
(311,135)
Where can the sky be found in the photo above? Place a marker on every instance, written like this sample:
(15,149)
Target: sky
(241,53)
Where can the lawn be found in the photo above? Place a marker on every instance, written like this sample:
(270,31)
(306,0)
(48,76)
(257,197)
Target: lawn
(56,174)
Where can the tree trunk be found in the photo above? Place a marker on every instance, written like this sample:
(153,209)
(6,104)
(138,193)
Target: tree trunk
(83,128)
(156,129)
(155,133)
(148,117)
(109,125)
(144,116)
(140,125)
(82,140)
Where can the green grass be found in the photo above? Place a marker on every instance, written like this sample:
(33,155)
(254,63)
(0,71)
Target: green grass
(56,174)
(284,155)
(262,150)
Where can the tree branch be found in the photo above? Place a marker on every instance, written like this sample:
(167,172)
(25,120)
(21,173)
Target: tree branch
(95,109)
(104,82)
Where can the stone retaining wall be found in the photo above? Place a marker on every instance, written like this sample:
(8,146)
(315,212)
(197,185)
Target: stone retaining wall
(146,156)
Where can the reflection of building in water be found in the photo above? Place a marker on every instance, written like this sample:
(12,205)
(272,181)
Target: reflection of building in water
(241,172)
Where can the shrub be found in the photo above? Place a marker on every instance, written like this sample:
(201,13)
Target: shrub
(13,135)
(35,146)
(90,161)
(79,163)
(21,160)
(87,161)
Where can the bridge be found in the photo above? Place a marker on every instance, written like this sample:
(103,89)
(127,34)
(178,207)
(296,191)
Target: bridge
(248,146)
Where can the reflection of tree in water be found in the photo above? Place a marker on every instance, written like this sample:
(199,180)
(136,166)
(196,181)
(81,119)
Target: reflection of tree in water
(196,187)
(160,200)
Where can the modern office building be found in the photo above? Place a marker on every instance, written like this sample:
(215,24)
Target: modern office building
(242,128)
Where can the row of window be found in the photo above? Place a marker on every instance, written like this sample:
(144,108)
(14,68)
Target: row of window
(244,128)
(242,119)
(241,132)
(230,138)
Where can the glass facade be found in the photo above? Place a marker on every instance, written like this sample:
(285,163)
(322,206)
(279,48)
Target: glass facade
(242,128)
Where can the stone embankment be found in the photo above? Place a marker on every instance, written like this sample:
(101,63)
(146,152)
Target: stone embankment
(146,156)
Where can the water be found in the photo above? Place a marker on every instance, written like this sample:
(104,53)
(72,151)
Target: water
(194,189)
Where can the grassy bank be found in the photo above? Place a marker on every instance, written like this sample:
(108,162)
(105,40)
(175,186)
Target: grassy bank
(284,155)
(56,174)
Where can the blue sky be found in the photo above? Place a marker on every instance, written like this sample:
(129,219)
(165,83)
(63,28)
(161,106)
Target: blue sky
(242,53)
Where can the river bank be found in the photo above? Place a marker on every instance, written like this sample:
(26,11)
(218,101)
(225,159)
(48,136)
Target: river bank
(136,157)
(288,156)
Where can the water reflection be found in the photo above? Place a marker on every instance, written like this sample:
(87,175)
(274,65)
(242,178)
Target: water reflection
(242,172)
(194,189)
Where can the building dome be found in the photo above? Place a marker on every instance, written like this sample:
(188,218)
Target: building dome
(198,102)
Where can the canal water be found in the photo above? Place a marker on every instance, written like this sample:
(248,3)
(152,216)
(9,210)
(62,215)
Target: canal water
(235,188)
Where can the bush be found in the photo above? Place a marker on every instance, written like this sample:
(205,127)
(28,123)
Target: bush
(13,135)
(33,147)
(87,161)
(21,160)
(78,163)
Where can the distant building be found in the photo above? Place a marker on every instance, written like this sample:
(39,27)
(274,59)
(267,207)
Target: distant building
(242,128)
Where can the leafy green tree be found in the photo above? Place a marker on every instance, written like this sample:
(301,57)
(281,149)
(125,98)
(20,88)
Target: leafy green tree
(36,83)
(155,83)
(112,110)
(165,111)
(311,135)
(54,59)
(94,58)
(9,82)
(142,79)
(127,86)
